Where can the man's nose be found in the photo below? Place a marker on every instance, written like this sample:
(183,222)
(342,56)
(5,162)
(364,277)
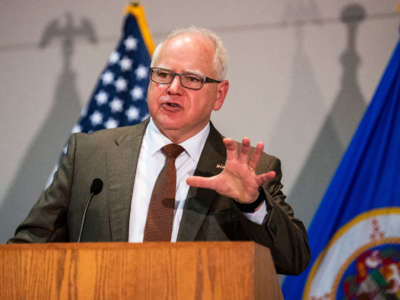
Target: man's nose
(175,85)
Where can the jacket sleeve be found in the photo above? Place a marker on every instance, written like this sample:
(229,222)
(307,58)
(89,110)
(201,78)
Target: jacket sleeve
(47,220)
(280,231)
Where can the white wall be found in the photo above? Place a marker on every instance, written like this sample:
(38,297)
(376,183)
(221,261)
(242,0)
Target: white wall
(300,77)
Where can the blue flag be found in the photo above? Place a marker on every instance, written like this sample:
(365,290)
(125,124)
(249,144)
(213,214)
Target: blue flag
(119,98)
(355,234)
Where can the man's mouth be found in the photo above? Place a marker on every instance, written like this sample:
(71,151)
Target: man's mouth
(171,106)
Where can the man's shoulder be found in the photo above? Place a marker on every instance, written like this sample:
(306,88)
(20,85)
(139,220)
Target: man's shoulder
(266,159)
(113,134)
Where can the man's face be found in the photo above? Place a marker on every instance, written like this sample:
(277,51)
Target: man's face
(178,112)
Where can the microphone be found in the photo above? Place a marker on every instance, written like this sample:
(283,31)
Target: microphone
(95,188)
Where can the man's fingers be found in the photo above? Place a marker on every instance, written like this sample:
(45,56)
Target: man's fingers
(201,182)
(245,150)
(265,177)
(231,149)
(245,156)
(255,158)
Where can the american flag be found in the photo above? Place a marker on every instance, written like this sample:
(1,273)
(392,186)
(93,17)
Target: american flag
(119,98)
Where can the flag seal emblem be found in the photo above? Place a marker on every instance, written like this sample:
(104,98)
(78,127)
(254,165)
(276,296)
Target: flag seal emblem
(362,260)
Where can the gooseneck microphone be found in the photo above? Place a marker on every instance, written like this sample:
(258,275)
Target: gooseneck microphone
(95,188)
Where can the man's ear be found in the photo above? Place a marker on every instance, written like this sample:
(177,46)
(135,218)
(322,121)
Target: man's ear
(222,90)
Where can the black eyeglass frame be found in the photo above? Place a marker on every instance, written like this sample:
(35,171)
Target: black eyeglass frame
(204,79)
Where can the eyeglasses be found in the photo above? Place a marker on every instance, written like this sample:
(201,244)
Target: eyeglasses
(188,80)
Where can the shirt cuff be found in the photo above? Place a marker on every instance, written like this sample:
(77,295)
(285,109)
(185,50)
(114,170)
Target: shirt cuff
(259,214)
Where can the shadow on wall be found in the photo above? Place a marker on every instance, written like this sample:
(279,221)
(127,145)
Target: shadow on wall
(43,153)
(337,129)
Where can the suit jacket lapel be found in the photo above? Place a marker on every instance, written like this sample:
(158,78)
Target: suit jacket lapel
(199,200)
(122,160)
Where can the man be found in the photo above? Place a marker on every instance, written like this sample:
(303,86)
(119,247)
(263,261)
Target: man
(234,195)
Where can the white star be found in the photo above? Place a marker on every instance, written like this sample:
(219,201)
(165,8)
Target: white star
(132,113)
(101,97)
(116,105)
(126,64)
(130,43)
(114,57)
(121,84)
(137,93)
(96,118)
(77,128)
(107,77)
(111,123)
(141,72)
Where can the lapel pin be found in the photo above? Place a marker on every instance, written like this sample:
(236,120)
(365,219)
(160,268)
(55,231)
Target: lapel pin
(220,166)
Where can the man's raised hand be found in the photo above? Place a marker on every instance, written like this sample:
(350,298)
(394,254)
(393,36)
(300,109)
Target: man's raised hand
(238,180)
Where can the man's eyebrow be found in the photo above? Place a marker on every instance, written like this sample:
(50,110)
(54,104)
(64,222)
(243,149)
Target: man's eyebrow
(195,72)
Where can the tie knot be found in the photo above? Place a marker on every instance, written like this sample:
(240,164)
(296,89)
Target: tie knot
(172,150)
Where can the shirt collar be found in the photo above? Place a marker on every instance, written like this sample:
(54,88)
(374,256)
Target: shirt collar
(193,146)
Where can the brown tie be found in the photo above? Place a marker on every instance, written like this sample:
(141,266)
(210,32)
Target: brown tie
(161,208)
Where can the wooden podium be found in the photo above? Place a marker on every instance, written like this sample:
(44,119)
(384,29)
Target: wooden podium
(176,271)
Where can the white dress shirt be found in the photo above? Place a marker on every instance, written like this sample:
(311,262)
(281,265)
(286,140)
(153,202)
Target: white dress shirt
(151,161)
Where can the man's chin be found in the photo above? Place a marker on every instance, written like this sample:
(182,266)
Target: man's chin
(169,126)
(168,123)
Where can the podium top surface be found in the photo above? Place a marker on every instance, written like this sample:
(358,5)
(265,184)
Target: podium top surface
(127,245)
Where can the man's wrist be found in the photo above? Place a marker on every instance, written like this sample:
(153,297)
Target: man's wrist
(252,207)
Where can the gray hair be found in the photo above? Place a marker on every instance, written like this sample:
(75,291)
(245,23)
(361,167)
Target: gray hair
(220,56)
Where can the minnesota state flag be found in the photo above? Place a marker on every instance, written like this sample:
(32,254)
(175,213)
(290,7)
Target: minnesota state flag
(355,234)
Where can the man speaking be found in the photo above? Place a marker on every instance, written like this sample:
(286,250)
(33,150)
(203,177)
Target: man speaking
(173,177)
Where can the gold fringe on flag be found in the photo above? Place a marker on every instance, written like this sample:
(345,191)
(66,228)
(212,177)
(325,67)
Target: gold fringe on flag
(138,11)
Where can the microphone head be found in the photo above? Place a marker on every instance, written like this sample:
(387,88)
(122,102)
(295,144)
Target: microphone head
(96,187)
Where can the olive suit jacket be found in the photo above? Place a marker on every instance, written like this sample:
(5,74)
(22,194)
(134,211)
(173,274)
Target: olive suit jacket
(112,156)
